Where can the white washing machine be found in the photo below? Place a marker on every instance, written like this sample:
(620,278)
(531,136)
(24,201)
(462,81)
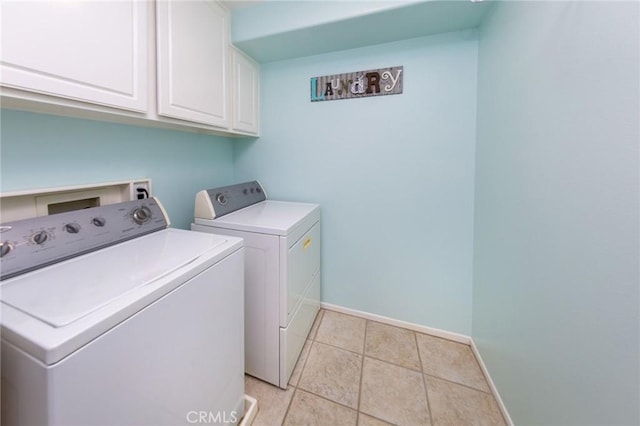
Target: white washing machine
(109,317)
(282,271)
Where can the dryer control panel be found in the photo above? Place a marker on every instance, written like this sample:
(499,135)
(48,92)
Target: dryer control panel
(216,202)
(33,243)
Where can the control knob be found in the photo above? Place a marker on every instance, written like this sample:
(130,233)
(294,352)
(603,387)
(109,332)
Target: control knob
(222,199)
(141,215)
(40,237)
(5,248)
(98,221)
(72,228)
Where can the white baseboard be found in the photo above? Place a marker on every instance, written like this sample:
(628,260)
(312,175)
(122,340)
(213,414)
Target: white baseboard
(251,410)
(492,386)
(460,338)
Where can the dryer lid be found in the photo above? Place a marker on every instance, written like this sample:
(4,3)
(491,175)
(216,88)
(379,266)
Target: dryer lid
(269,217)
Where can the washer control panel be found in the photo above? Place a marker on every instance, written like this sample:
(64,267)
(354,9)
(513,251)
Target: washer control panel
(30,244)
(216,202)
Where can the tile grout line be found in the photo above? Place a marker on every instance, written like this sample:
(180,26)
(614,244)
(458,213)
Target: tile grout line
(364,346)
(319,318)
(304,364)
(424,380)
(457,383)
(395,364)
(325,398)
(337,347)
(286,413)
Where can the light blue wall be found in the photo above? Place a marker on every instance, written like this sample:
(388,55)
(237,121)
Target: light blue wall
(41,151)
(556,283)
(394,175)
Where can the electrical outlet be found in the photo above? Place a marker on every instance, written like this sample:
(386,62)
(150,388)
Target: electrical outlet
(141,190)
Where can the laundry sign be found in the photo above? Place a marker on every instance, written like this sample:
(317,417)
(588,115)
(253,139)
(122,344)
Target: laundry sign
(383,81)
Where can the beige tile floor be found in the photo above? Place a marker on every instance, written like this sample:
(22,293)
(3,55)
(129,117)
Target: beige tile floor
(354,371)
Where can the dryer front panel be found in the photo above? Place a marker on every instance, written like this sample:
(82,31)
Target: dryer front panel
(303,264)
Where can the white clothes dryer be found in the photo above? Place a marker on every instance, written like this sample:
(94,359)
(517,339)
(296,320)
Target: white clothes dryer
(109,317)
(282,271)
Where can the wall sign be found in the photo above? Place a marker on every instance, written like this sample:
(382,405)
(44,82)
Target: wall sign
(383,81)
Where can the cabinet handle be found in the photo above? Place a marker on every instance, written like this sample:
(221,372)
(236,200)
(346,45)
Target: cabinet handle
(307,243)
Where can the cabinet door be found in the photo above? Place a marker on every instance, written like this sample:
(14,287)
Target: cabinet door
(246,93)
(90,51)
(193,46)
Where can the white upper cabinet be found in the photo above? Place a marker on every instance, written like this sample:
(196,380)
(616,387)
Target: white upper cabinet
(246,93)
(90,51)
(165,63)
(193,61)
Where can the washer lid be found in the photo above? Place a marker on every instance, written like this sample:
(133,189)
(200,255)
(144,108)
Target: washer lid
(268,217)
(52,312)
(69,291)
